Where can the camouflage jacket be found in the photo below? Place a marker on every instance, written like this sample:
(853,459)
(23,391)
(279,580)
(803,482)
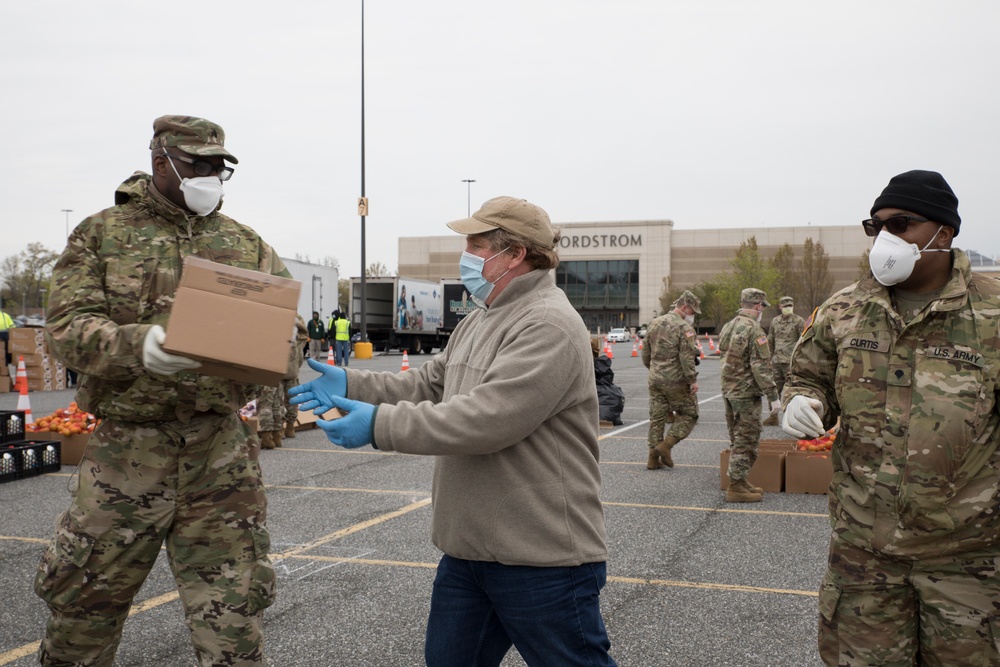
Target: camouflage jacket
(670,351)
(782,335)
(916,466)
(746,359)
(117,277)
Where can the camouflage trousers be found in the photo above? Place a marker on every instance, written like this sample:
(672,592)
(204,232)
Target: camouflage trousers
(743,421)
(780,375)
(876,610)
(273,408)
(664,399)
(196,486)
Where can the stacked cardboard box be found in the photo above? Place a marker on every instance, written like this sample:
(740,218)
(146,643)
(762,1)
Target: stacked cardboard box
(781,467)
(44,371)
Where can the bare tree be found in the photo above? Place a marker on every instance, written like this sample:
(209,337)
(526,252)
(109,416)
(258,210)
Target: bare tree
(783,263)
(377,270)
(815,282)
(26,277)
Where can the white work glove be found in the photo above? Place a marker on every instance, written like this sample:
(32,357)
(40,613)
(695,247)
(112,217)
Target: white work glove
(803,417)
(163,363)
(775,404)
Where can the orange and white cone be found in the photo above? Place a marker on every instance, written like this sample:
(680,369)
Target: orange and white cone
(711,345)
(22,375)
(331,360)
(701,351)
(23,402)
(607,350)
(406,362)
(635,350)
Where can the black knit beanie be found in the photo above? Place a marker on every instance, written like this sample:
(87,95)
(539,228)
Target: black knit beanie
(925,193)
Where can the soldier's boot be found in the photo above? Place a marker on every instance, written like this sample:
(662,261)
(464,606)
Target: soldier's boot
(289,429)
(772,420)
(276,437)
(266,441)
(654,462)
(663,449)
(740,492)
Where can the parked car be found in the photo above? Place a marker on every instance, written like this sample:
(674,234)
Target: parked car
(619,335)
(641,333)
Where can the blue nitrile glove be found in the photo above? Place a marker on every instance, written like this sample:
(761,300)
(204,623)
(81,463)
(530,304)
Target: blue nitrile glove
(355,429)
(320,392)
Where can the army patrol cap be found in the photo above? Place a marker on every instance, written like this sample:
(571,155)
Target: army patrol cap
(753,295)
(688,298)
(517,216)
(787,301)
(194,136)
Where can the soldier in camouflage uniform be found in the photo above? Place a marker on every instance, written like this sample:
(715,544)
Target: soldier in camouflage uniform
(746,375)
(271,416)
(171,460)
(782,335)
(909,359)
(291,410)
(671,355)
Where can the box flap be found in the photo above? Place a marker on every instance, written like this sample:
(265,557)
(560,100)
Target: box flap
(207,276)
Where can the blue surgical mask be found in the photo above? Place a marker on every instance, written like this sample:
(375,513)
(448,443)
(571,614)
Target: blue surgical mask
(470,268)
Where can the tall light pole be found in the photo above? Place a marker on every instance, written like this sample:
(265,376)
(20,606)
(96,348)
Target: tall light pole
(363,201)
(468,195)
(67,211)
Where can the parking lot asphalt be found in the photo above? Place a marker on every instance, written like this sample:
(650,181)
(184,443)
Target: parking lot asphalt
(692,580)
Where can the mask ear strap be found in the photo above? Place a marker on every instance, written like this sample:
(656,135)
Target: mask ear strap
(167,155)
(927,248)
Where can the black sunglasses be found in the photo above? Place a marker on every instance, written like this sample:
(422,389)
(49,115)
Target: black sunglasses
(896,224)
(203,168)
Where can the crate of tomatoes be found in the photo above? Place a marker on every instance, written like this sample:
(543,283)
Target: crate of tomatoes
(71,426)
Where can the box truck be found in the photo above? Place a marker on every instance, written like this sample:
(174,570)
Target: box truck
(401,313)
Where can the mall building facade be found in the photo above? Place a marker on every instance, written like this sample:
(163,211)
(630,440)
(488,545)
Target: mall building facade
(613,272)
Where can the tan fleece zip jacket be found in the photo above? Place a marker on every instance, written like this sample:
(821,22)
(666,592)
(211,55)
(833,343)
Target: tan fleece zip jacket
(510,411)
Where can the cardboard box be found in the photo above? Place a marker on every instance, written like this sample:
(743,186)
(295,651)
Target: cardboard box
(768,471)
(40,360)
(808,472)
(35,335)
(253,423)
(307,419)
(25,347)
(73,446)
(240,324)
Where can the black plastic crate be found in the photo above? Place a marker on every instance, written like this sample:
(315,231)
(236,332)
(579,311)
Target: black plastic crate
(11,425)
(10,464)
(35,457)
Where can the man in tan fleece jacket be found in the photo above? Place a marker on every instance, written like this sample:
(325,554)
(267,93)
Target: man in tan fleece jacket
(510,411)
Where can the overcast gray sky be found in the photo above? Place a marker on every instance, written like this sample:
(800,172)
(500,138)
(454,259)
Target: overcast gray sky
(709,113)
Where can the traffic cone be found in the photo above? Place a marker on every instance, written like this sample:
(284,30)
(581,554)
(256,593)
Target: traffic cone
(635,350)
(22,375)
(607,350)
(406,362)
(711,345)
(640,345)
(330,359)
(23,403)
(701,351)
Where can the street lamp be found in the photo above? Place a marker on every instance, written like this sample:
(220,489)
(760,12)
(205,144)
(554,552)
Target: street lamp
(67,211)
(468,195)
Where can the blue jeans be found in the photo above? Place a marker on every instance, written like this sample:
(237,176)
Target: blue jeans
(343,352)
(551,614)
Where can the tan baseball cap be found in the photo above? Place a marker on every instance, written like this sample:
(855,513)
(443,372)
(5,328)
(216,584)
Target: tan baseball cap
(517,216)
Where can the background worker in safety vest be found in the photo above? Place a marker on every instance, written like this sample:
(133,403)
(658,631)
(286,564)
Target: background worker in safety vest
(342,336)
(6,323)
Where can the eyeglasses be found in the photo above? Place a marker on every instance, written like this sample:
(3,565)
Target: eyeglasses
(896,224)
(203,168)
